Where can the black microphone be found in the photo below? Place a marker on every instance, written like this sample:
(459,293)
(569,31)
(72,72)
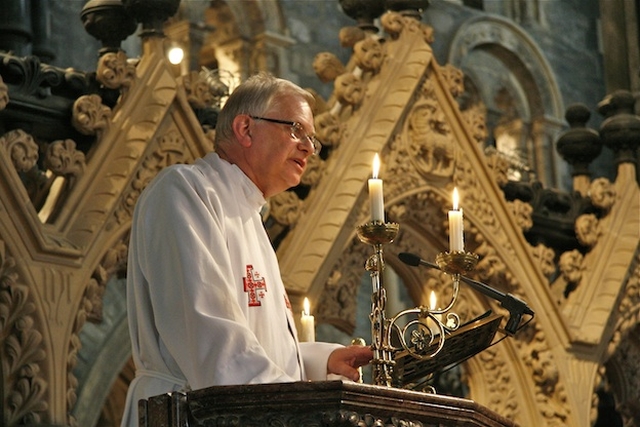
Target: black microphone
(514,305)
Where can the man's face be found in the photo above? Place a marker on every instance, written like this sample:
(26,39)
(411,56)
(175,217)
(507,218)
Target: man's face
(277,159)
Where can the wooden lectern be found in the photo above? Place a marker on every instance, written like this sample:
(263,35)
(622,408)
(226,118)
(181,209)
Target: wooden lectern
(313,404)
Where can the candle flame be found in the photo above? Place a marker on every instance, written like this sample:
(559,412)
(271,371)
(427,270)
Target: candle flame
(376,166)
(432,300)
(306,307)
(456,199)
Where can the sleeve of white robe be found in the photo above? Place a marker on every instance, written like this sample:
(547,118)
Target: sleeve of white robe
(181,251)
(315,356)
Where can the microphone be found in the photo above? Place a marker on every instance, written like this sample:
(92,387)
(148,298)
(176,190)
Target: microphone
(516,307)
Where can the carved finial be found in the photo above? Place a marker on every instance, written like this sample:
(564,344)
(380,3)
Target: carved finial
(107,21)
(364,12)
(620,130)
(579,145)
(412,8)
(152,14)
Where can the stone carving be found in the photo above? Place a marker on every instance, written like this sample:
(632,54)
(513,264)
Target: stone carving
(313,173)
(430,144)
(545,257)
(21,349)
(454,78)
(602,193)
(169,151)
(349,89)
(337,305)
(571,268)
(327,66)
(587,230)
(551,395)
(476,118)
(4,94)
(114,71)
(368,54)
(523,213)
(89,115)
(328,129)
(21,148)
(63,159)
(285,208)
(197,89)
(392,23)
(499,165)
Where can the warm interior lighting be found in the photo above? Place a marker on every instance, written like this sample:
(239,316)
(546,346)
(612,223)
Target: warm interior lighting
(175,55)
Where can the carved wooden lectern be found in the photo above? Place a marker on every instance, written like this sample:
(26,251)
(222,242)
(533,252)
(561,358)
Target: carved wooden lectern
(317,404)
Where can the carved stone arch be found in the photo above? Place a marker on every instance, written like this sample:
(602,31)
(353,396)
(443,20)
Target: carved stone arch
(248,37)
(517,85)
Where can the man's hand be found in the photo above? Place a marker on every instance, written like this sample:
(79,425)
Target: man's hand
(345,361)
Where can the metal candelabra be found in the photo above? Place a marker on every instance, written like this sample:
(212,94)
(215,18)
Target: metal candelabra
(420,331)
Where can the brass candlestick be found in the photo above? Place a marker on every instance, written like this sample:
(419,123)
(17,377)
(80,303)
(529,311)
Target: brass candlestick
(377,234)
(421,330)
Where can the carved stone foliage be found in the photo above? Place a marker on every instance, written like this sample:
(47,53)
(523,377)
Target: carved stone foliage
(337,305)
(21,350)
(4,94)
(90,116)
(115,71)
(550,391)
(327,66)
(169,150)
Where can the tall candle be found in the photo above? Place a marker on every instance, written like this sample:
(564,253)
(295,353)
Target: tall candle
(376,197)
(307,321)
(456,226)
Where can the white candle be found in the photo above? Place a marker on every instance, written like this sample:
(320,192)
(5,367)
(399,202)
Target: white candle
(307,321)
(376,197)
(456,226)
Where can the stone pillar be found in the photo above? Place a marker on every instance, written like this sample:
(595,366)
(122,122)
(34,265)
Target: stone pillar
(41,26)
(15,27)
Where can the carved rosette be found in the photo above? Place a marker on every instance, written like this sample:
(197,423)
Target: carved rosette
(21,350)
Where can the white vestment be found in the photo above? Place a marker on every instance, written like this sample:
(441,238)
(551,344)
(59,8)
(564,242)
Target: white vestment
(205,298)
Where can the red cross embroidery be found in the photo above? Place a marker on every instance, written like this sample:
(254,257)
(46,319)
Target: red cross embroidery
(255,286)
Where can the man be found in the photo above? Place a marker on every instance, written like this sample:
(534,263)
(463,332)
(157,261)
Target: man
(205,298)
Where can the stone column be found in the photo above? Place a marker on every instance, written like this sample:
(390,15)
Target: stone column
(41,26)
(15,27)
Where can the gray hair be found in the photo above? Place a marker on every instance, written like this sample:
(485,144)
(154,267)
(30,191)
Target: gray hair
(254,97)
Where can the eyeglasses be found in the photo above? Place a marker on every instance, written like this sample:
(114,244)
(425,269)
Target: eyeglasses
(297,132)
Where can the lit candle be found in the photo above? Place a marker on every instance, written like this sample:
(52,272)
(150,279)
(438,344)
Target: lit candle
(307,321)
(432,304)
(376,198)
(456,227)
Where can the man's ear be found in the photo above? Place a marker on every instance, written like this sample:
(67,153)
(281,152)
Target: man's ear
(242,129)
